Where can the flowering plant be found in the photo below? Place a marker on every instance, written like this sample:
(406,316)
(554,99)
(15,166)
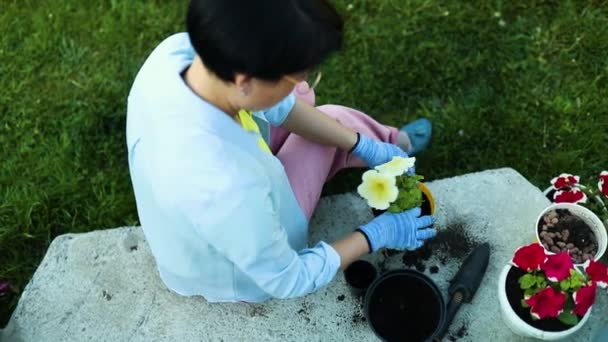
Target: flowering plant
(390,187)
(567,188)
(553,287)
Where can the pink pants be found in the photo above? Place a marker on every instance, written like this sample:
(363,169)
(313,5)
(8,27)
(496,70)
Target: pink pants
(309,165)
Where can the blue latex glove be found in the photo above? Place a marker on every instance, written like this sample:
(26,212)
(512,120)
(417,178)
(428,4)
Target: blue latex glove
(405,230)
(374,152)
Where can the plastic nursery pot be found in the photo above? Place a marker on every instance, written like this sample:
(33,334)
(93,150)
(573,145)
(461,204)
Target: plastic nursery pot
(359,276)
(519,320)
(588,217)
(404,305)
(428,202)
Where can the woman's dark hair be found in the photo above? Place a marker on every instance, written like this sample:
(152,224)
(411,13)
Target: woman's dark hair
(265,39)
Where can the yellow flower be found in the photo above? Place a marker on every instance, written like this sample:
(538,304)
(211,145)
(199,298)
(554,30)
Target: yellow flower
(379,189)
(397,166)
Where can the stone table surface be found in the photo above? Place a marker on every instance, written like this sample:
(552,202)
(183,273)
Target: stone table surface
(104,286)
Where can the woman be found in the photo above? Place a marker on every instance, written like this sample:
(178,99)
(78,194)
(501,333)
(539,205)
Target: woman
(224,200)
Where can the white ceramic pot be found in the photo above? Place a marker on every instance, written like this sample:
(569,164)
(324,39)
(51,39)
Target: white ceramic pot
(597,199)
(586,215)
(521,328)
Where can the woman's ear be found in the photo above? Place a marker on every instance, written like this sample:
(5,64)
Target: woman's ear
(243,83)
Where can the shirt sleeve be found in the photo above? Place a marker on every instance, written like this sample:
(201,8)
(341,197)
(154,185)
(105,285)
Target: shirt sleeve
(247,231)
(277,114)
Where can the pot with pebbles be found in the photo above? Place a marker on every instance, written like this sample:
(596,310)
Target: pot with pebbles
(566,188)
(571,228)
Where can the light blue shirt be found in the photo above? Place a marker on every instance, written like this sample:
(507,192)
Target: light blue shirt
(218,212)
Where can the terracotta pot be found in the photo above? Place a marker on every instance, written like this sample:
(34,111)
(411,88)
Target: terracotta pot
(428,204)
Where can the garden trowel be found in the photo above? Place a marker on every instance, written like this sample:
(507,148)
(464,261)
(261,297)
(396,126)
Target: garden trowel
(465,283)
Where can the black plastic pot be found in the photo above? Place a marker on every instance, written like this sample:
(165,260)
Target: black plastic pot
(359,276)
(405,305)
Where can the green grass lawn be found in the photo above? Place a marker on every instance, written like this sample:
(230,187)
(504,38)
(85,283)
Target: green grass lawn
(507,83)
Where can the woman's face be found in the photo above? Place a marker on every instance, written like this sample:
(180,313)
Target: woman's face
(263,94)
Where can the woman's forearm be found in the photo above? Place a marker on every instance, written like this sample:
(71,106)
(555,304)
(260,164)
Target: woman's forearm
(311,124)
(351,248)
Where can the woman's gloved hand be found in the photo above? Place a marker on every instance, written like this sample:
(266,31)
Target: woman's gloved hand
(374,152)
(405,230)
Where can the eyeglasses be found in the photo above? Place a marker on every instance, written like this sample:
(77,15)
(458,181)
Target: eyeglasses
(311,85)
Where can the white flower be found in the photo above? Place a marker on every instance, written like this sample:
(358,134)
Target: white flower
(397,166)
(379,189)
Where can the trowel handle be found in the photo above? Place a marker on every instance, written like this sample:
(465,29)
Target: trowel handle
(450,312)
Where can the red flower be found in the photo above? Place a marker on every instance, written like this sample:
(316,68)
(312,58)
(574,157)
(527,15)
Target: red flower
(603,183)
(529,257)
(597,271)
(569,196)
(565,180)
(584,298)
(558,266)
(546,303)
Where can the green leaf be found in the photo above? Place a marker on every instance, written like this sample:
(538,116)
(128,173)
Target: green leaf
(564,284)
(540,280)
(569,304)
(410,195)
(524,304)
(527,281)
(530,292)
(576,280)
(393,208)
(568,318)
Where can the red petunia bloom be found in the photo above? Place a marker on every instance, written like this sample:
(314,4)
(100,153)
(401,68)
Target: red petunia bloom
(546,303)
(565,180)
(584,298)
(569,196)
(603,183)
(529,257)
(597,271)
(558,266)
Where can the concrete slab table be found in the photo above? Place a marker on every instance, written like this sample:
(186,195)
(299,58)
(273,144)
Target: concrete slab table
(104,286)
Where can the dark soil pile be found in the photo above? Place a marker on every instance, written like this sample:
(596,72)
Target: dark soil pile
(450,242)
